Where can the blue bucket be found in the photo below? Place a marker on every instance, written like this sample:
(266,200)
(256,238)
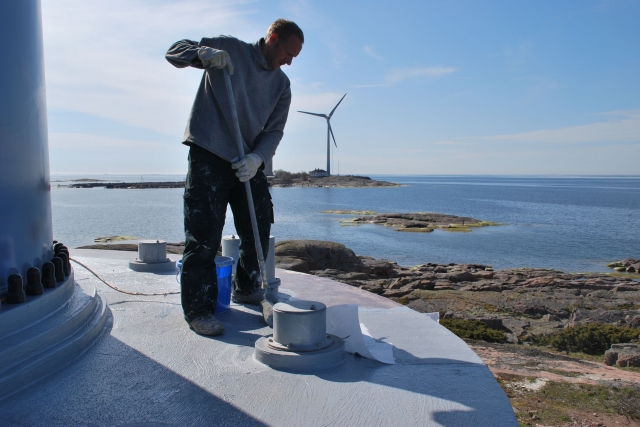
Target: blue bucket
(224,266)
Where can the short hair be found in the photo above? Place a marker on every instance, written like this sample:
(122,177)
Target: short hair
(284,29)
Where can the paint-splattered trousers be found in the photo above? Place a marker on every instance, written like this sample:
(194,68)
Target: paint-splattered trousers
(211,186)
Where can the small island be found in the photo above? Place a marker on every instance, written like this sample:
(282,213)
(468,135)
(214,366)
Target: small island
(304,179)
(421,222)
(129,185)
(281,178)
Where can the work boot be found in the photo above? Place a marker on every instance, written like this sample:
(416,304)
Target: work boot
(254,298)
(207,325)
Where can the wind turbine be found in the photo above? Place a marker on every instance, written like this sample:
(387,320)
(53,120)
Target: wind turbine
(329,131)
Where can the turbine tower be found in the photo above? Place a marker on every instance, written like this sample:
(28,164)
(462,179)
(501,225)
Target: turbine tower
(329,131)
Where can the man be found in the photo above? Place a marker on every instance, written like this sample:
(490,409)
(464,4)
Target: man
(216,176)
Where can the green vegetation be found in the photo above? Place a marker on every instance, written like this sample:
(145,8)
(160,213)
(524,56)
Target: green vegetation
(288,177)
(559,402)
(595,338)
(472,329)
(415,229)
(628,306)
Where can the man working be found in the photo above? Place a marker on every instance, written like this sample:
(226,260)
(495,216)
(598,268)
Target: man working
(216,177)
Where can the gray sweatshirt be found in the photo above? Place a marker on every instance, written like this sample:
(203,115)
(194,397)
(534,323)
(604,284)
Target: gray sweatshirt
(262,96)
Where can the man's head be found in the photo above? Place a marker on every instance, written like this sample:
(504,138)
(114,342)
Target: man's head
(282,43)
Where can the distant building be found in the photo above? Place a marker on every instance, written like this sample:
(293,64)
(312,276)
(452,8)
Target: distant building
(318,173)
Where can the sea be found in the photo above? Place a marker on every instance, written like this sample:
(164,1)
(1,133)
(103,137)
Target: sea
(569,223)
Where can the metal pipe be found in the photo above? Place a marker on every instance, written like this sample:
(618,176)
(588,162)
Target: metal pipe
(247,185)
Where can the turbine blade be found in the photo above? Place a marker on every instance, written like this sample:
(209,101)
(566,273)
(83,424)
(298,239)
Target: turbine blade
(334,108)
(334,138)
(313,114)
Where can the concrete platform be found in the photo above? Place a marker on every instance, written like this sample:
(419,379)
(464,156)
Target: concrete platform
(33,346)
(149,369)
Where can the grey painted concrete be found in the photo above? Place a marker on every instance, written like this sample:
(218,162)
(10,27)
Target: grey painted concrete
(148,367)
(33,345)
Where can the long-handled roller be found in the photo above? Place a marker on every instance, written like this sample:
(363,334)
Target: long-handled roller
(269,300)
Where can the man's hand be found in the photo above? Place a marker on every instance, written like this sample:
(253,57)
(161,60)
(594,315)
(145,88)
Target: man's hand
(214,58)
(247,166)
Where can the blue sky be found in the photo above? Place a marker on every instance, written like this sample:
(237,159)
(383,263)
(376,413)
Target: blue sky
(455,87)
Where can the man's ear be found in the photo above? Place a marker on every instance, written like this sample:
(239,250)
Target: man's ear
(273,38)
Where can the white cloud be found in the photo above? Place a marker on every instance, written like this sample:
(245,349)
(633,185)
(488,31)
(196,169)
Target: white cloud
(85,153)
(80,141)
(371,85)
(621,126)
(400,74)
(106,57)
(370,51)
(309,97)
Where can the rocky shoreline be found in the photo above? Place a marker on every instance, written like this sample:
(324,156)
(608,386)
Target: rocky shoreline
(520,301)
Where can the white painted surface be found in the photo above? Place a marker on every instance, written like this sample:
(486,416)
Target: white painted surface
(149,367)
(271,260)
(231,248)
(152,250)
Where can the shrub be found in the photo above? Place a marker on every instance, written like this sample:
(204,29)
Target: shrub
(283,175)
(472,329)
(287,177)
(594,338)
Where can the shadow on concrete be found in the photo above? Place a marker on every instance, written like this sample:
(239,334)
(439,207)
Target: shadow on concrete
(473,395)
(465,385)
(111,386)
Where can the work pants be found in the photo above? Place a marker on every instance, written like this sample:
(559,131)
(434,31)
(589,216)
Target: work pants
(212,185)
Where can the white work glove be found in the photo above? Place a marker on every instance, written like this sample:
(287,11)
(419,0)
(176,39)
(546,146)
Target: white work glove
(247,166)
(214,58)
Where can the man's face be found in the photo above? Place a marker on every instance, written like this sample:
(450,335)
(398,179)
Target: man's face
(278,52)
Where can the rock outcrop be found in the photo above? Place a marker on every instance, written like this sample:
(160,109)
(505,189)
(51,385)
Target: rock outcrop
(422,222)
(629,265)
(313,255)
(526,300)
(623,355)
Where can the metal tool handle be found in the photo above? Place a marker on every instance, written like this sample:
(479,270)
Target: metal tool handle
(247,185)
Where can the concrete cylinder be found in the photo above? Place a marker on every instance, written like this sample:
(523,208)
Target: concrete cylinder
(152,250)
(231,248)
(271,260)
(26,232)
(300,325)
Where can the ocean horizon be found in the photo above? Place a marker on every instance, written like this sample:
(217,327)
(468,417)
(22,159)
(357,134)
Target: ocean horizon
(568,222)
